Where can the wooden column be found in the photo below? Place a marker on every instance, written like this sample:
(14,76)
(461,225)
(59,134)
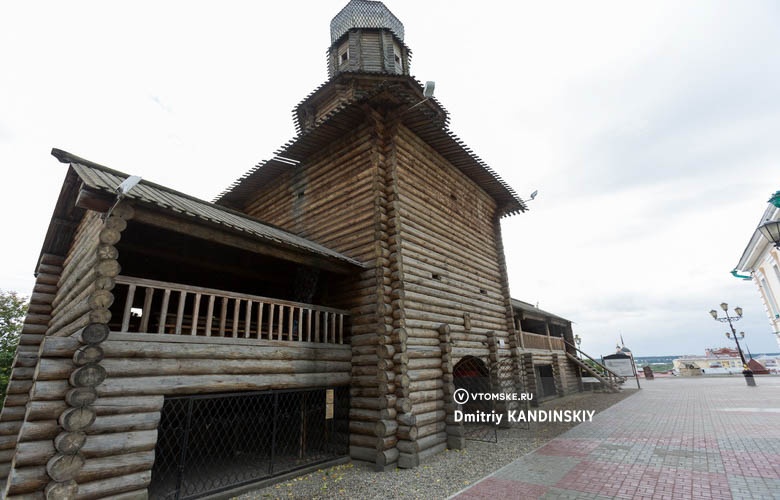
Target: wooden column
(530,377)
(455,436)
(558,375)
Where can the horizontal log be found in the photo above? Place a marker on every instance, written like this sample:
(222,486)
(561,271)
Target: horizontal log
(23,480)
(115,487)
(363,453)
(10,428)
(107,467)
(184,348)
(387,457)
(124,423)
(384,428)
(201,384)
(431,428)
(431,417)
(34,453)
(429,395)
(57,368)
(38,431)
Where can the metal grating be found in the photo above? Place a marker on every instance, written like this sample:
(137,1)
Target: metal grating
(364,14)
(213,443)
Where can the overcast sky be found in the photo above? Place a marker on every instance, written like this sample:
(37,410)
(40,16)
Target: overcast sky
(650,130)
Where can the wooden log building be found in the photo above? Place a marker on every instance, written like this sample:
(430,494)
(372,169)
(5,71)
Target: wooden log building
(331,290)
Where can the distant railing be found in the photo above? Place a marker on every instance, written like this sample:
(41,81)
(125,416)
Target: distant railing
(537,341)
(170,308)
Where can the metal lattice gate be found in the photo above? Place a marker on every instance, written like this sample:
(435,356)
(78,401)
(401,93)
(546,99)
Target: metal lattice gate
(213,443)
(476,377)
(473,375)
(507,379)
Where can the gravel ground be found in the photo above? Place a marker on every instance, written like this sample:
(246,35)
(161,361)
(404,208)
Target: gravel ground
(446,473)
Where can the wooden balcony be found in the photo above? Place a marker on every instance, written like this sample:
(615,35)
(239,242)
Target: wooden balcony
(543,342)
(161,308)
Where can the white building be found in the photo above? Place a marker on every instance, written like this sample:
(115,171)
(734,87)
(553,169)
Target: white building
(761,259)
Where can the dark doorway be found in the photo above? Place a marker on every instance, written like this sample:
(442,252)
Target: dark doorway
(546,380)
(472,375)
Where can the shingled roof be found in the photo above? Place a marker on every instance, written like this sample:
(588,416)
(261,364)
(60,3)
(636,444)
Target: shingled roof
(101,178)
(331,127)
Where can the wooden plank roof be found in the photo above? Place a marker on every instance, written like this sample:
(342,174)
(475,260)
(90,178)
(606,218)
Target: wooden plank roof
(104,179)
(525,306)
(425,121)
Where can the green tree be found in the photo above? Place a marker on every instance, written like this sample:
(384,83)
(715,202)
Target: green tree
(13,309)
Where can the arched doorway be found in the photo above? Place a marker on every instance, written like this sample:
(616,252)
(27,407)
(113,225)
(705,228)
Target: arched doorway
(473,375)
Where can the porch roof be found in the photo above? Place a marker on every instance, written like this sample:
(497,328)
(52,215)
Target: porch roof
(105,180)
(525,306)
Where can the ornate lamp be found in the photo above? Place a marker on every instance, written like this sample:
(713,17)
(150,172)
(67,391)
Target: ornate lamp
(771,231)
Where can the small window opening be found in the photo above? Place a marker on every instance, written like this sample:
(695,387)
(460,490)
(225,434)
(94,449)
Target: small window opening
(344,56)
(436,276)
(483,291)
(300,194)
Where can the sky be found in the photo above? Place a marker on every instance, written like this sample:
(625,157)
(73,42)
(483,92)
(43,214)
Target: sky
(648,128)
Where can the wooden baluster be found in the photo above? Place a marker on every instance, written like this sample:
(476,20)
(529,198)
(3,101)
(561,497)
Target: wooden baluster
(195,311)
(248,322)
(147,311)
(223,317)
(309,313)
(180,311)
(259,320)
(236,315)
(333,327)
(325,326)
(164,310)
(210,315)
(128,308)
(281,323)
(290,323)
(271,308)
(316,326)
(341,328)
(300,324)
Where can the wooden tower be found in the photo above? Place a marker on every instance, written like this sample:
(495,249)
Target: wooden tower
(375,174)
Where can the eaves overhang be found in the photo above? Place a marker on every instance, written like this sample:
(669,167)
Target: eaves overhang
(428,121)
(175,205)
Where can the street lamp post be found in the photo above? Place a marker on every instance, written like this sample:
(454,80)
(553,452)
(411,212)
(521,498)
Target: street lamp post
(747,372)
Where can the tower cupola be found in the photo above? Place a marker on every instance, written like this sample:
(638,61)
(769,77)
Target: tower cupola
(365,37)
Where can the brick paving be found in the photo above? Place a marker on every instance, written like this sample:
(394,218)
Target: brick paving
(677,438)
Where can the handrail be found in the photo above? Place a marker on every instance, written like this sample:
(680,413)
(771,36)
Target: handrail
(227,314)
(598,364)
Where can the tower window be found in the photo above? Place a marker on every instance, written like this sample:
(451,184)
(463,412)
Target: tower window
(399,66)
(343,56)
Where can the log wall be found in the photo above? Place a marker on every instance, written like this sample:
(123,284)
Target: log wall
(26,358)
(49,453)
(338,199)
(452,262)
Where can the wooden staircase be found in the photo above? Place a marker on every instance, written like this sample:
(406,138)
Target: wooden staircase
(609,379)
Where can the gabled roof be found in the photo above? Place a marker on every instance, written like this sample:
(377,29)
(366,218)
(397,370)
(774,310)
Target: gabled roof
(424,120)
(106,180)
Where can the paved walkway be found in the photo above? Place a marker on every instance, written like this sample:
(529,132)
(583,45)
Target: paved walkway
(677,438)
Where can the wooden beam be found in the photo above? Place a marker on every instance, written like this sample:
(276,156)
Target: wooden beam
(222,235)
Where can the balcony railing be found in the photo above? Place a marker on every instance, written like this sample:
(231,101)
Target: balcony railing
(544,342)
(175,309)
